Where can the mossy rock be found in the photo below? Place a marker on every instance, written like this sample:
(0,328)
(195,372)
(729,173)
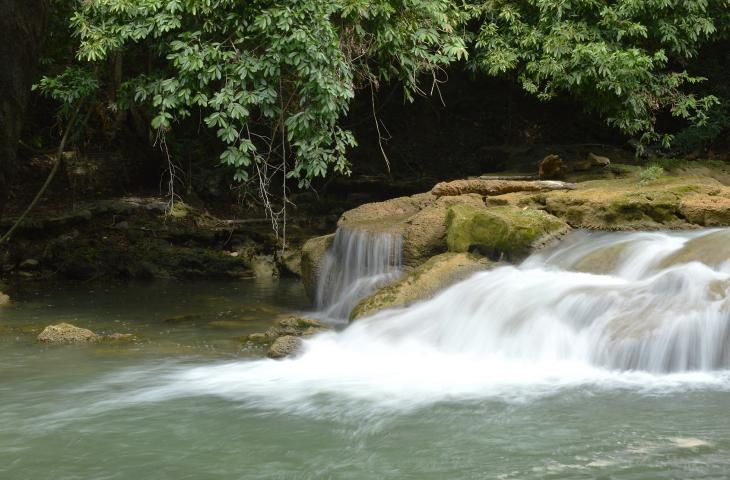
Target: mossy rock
(622,204)
(313,252)
(67,333)
(424,233)
(284,347)
(422,283)
(501,232)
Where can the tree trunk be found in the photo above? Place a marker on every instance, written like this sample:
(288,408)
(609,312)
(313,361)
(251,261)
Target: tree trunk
(22,24)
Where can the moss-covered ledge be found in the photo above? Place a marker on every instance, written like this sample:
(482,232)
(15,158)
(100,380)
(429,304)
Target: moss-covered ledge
(501,232)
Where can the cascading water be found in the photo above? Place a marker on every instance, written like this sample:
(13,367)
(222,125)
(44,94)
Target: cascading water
(357,263)
(611,310)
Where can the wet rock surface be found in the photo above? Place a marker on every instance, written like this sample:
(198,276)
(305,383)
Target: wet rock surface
(285,346)
(502,232)
(423,282)
(285,336)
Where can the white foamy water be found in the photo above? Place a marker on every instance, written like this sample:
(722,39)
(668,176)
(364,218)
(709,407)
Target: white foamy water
(355,266)
(642,311)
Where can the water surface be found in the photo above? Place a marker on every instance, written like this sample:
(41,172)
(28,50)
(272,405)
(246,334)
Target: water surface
(518,373)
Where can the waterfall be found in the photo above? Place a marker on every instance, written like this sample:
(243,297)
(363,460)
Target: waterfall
(640,311)
(655,302)
(356,265)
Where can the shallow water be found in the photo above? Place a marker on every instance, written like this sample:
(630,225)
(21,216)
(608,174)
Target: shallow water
(429,392)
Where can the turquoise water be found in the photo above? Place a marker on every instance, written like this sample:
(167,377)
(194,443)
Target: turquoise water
(188,400)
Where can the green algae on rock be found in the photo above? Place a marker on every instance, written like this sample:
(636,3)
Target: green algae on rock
(501,232)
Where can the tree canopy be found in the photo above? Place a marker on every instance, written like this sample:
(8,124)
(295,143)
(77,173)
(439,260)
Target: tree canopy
(273,79)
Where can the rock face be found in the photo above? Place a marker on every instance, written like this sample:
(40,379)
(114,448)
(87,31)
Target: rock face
(312,253)
(422,283)
(285,346)
(550,167)
(66,333)
(501,232)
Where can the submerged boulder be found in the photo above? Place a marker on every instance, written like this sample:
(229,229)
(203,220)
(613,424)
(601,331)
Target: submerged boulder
(67,333)
(501,232)
(313,252)
(712,249)
(422,283)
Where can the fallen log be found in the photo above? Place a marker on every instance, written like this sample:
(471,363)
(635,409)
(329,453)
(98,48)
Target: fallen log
(497,187)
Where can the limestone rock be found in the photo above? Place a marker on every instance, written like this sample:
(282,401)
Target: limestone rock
(424,233)
(312,253)
(422,283)
(388,216)
(550,167)
(285,346)
(501,232)
(66,333)
(708,211)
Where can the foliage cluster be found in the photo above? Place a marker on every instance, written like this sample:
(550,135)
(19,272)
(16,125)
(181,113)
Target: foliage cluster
(273,78)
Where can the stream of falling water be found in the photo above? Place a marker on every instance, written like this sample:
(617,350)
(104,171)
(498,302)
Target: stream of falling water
(355,266)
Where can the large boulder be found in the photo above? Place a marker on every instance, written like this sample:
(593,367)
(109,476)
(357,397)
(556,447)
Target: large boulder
(501,232)
(312,253)
(422,283)
(386,217)
(66,333)
(424,233)
(4,299)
